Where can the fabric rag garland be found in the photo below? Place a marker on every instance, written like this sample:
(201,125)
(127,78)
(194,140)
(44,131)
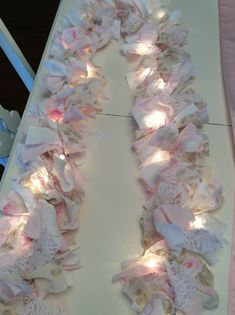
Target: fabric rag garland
(180,237)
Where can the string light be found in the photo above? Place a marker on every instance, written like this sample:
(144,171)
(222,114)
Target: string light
(38,181)
(146,72)
(151,261)
(90,71)
(160,84)
(198,223)
(145,48)
(160,15)
(157,157)
(155,119)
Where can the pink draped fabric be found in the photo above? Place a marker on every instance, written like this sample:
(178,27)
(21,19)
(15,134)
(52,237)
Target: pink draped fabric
(227,39)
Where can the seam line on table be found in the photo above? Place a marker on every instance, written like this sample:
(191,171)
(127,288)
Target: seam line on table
(115,115)
(219,124)
(128,116)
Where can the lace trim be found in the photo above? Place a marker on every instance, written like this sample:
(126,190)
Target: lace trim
(40,253)
(183,284)
(40,307)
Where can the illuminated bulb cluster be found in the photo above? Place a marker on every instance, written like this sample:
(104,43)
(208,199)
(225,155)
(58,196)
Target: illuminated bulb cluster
(145,73)
(151,261)
(90,71)
(144,48)
(155,119)
(38,181)
(160,15)
(160,84)
(198,223)
(157,157)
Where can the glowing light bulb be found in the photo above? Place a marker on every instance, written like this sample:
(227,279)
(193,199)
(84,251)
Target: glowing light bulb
(90,71)
(147,71)
(160,15)
(62,156)
(44,175)
(159,156)
(38,180)
(160,84)
(156,119)
(151,261)
(197,223)
(145,48)
(142,49)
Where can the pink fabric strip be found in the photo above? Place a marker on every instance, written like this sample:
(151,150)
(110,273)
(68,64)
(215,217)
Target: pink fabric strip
(227,40)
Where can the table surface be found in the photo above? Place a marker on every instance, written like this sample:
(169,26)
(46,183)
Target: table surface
(110,215)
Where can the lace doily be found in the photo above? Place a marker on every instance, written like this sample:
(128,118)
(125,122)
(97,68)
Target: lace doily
(40,307)
(183,284)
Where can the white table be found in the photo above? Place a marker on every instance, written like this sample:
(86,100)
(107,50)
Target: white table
(110,215)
